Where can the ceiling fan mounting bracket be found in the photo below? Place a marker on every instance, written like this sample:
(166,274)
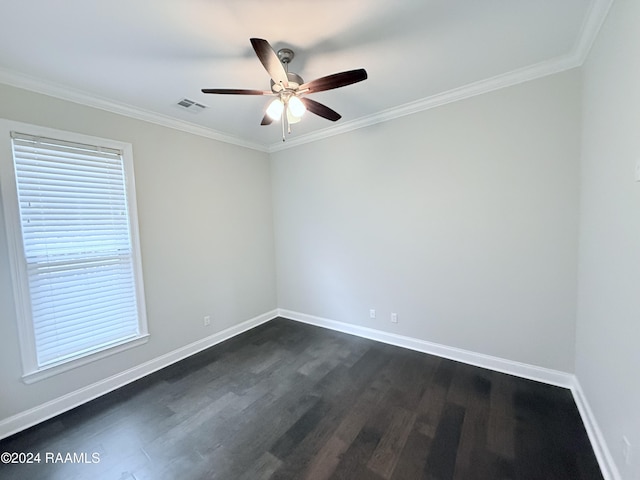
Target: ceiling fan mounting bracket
(286,55)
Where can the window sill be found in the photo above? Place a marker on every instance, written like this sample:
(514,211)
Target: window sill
(53,370)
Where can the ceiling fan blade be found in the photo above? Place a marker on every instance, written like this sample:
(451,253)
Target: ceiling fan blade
(270,61)
(235,91)
(321,110)
(336,80)
(266,120)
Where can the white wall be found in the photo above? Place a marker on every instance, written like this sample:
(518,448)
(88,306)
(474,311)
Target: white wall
(206,234)
(608,328)
(462,219)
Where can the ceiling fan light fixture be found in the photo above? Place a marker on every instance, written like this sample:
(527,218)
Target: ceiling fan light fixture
(274,110)
(291,118)
(296,107)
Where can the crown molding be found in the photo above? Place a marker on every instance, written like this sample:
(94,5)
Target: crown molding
(62,92)
(477,88)
(591,26)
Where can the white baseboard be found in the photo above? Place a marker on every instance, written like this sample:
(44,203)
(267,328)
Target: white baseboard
(607,465)
(50,409)
(532,372)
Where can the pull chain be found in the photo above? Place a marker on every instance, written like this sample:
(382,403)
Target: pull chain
(284,111)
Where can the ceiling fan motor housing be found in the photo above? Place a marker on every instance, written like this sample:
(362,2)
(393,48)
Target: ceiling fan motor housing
(295,81)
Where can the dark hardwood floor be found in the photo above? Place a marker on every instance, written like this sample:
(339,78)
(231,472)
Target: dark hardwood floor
(291,401)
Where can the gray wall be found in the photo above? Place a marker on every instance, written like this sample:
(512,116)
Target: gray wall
(608,328)
(463,219)
(206,236)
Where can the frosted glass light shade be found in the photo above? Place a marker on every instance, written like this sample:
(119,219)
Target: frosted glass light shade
(296,107)
(275,109)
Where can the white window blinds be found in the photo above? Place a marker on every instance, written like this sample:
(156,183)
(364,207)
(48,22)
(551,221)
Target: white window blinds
(77,245)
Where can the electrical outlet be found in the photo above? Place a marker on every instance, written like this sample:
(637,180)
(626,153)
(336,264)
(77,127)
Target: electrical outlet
(207,320)
(372,313)
(626,450)
(394,318)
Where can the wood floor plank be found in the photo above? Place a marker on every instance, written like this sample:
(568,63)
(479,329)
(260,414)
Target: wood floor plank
(352,405)
(502,417)
(385,457)
(324,463)
(349,424)
(263,468)
(288,401)
(473,458)
(413,457)
(432,402)
(299,430)
(444,450)
(354,462)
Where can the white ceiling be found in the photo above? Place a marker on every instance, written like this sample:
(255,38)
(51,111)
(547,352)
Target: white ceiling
(141,57)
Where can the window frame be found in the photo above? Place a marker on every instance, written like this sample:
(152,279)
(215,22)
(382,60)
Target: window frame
(18,266)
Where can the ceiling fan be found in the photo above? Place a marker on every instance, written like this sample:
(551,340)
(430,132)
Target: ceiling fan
(290,89)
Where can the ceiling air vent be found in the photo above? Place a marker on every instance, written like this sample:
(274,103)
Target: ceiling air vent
(190,105)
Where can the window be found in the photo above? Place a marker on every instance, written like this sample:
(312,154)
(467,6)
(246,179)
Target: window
(71,219)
